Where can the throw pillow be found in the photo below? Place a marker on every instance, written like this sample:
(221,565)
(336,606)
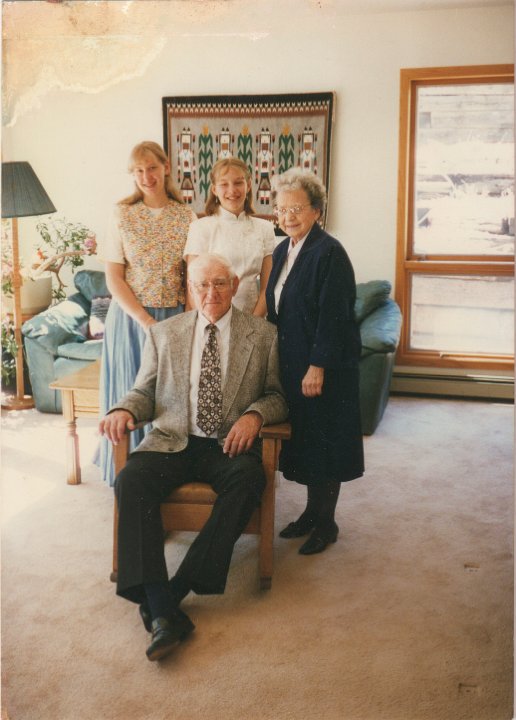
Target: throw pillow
(99,308)
(91,283)
(370,295)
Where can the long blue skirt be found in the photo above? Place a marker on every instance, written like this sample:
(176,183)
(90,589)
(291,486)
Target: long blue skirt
(122,352)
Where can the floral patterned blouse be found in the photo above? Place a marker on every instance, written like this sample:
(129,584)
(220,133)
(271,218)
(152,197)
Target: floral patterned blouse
(150,244)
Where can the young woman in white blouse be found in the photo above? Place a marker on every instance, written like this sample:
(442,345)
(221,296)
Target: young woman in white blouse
(230,229)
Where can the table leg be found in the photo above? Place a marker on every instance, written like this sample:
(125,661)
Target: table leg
(73,463)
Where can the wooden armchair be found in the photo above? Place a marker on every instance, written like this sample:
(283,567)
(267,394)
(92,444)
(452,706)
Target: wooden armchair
(188,507)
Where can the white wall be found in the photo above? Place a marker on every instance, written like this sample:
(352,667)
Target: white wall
(78,139)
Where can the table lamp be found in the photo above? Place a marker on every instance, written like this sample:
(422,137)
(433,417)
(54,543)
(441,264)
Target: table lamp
(22,195)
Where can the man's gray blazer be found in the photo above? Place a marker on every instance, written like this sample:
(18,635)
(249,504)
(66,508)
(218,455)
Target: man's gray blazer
(162,387)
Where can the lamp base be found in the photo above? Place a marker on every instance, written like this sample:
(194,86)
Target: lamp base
(14,402)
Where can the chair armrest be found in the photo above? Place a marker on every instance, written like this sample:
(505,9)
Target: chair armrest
(272,436)
(121,453)
(380,331)
(278,431)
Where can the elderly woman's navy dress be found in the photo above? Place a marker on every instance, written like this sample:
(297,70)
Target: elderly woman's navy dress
(316,326)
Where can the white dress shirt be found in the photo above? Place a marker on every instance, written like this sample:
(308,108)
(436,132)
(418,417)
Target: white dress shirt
(293,252)
(200,336)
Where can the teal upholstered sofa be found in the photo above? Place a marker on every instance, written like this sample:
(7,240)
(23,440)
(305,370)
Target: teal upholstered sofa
(379,319)
(56,343)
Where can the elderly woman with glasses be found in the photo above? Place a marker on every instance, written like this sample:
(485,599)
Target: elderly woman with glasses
(310,298)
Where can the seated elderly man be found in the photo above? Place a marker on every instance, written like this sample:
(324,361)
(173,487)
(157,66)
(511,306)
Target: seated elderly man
(208,382)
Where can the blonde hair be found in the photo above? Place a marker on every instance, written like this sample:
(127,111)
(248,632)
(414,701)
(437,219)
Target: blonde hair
(220,168)
(138,153)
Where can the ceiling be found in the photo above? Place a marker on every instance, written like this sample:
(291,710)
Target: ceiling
(408,5)
(357,6)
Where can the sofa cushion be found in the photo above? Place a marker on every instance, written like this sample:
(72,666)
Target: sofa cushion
(380,331)
(370,295)
(91,283)
(89,350)
(65,322)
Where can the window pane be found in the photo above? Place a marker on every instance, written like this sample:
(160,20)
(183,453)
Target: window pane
(469,314)
(464,178)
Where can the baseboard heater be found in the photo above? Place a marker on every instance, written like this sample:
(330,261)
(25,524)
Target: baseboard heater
(472,386)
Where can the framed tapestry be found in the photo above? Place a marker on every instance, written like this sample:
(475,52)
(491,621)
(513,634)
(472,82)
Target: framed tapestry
(270,133)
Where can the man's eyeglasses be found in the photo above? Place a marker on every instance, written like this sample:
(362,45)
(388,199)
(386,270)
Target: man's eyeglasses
(204,285)
(295,210)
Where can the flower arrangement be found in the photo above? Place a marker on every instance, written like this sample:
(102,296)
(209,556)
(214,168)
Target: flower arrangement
(9,350)
(8,340)
(7,269)
(63,243)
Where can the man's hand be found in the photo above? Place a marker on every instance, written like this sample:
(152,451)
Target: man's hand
(243,434)
(312,383)
(116,424)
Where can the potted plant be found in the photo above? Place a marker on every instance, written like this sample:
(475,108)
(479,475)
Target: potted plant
(9,350)
(62,244)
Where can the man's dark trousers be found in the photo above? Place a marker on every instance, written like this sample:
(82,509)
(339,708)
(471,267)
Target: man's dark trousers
(143,484)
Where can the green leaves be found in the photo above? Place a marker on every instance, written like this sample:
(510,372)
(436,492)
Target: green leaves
(63,243)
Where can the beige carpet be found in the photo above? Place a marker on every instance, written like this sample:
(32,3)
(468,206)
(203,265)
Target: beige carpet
(407,617)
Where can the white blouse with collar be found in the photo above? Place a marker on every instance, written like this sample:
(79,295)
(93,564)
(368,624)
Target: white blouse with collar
(244,240)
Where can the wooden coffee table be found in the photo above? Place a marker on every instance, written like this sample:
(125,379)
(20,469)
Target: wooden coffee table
(80,395)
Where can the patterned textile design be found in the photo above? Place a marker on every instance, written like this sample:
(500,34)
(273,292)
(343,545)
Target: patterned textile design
(209,399)
(153,248)
(205,162)
(270,133)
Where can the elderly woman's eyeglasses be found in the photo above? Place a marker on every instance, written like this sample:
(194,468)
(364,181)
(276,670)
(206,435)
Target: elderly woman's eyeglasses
(204,286)
(295,210)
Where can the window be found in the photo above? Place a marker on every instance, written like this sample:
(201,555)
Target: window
(455,254)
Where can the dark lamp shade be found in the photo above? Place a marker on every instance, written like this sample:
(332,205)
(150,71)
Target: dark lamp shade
(22,193)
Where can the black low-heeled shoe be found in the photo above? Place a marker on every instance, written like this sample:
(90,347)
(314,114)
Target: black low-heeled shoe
(319,540)
(298,528)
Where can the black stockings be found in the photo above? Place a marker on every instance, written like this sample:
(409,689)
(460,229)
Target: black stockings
(321,503)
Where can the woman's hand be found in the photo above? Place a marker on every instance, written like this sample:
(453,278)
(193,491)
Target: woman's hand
(312,383)
(122,293)
(147,322)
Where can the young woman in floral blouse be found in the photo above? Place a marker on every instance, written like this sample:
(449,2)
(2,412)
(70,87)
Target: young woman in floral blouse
(144,273)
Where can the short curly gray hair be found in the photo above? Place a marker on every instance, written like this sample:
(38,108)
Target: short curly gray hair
(297,179)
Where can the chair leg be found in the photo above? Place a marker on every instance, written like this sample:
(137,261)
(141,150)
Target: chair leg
(267,514)
(120,454)
(114,574)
